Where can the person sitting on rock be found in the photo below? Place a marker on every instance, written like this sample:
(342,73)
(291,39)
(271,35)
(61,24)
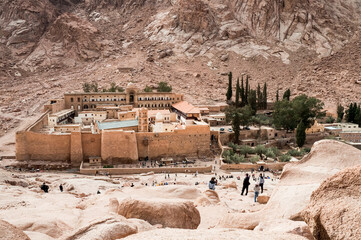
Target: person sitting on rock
(246,184)
(212,184)
(256,192)
(61,188)
(132,185)
(45,188)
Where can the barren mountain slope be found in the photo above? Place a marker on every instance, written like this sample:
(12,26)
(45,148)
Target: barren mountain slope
(51,46)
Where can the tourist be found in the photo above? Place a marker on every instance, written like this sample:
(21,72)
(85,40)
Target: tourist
(246,184)
(98,192)
(256,192)
(45,188)
(212,184)
(261,182)
(132,185)
(61,188)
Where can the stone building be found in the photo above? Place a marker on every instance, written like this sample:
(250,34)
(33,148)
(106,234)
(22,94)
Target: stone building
(132,96)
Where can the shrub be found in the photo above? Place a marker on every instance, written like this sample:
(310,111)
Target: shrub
(254,159)
(148,89)
(285,158)
(164,87)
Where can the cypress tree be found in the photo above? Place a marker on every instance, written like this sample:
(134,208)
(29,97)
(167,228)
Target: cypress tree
(252,101)
(277,96)
(287,94)
(340,112)
(238,89)
(247,90)
(236,123)
(301,134)
(259,97)
(264,96)
(229,91)
(243,98)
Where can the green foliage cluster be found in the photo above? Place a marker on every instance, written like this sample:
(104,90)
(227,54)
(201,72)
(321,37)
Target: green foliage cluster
(113,88)
(148,89)
(340,112)
(301,134)
(298,153)
(353,114)
(90,87)
(108,166)
(164,87)
(285,158)
(261,150)
(231,157)
(330,119)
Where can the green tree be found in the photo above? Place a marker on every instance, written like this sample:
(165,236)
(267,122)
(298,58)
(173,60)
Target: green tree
(285,158)
(113,87)
(164,87)
(264,95)
(270,154)
(252,101)
(94,87)
(236,122)
(260,150)
(238,89)
(284,115)
(148,89)
(330,119)
(229,91)
(277,96)
(340,112)
(259,97)
(357,119)
(86,87)
(245,150)
(243,97)
(246,91)
(307,109)
(287,95)
(301,134)
(245,115)
(120,89)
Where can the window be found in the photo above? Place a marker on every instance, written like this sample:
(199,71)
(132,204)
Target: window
(71,99)
(78,99)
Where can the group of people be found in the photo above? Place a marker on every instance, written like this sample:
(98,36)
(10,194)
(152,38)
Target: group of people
(257,188)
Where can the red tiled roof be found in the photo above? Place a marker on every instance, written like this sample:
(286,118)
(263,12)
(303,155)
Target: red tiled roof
(186,107)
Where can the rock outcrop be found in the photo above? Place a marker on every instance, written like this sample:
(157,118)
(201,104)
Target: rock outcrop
(298,181)
(9,232)
(168,214)
(334,209)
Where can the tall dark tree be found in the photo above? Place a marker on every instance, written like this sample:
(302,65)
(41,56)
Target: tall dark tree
(259,97)
(277,96)
(264,96)
(357,119)
(340,112)
(252,101)
(229,91)
(246,90)
(301,134)
(351,112)
(238,89)
(236,123)
(243,98)
(287,94)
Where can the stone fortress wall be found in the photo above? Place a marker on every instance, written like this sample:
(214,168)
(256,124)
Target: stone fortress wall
(113,146)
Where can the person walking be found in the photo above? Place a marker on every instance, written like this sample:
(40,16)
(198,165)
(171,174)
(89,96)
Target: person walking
(212,184)
(61,188)
(261,182)
(256,192)
(246,184)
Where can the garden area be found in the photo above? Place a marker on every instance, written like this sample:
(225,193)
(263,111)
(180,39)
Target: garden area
(245,154)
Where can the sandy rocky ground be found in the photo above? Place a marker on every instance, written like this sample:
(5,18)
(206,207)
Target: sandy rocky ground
(188,211)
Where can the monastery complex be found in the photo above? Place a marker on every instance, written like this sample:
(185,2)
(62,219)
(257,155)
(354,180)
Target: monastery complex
(115,128)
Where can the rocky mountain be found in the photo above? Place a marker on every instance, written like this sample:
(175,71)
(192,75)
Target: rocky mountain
(51,46)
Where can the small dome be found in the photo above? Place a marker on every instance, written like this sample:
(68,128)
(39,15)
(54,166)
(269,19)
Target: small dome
(158,117)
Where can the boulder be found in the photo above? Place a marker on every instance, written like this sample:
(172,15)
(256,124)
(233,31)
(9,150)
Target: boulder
(105,229)
(10,232)
(263,199)
(231,185)
(17,183)
(113,205)
(334,209)
(296,184)
(168,214)
(212,196)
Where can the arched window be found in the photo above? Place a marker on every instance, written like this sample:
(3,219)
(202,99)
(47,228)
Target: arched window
(85,106)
